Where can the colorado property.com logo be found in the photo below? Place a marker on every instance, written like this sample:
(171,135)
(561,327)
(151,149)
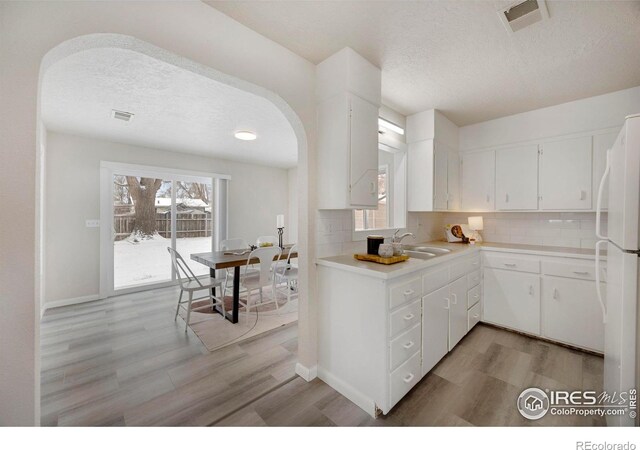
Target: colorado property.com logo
(534,403)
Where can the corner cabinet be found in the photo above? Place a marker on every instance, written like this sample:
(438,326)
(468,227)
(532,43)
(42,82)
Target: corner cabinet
(347,153)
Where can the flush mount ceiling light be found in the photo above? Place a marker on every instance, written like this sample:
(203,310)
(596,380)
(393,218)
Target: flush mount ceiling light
(122,115)
(245,135)
(390,126)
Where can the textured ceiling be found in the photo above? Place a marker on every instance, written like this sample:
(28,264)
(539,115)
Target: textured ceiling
(456,56)
(174,109)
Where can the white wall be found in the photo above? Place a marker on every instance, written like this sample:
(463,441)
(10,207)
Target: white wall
(291,232)
(72,195)
(589,114)
(193,30)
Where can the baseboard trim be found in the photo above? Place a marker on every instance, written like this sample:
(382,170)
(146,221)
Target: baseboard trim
(70,301)
(354,395)
(307,373)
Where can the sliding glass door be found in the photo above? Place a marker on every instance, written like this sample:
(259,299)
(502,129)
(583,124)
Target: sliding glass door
(150,211)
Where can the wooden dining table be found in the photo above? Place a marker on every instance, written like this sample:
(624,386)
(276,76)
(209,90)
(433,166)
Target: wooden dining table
(233,259)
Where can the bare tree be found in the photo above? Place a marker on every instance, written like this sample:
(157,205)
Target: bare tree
(143,192)
(198,191)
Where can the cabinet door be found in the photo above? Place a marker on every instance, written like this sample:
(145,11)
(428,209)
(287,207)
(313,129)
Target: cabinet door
(517,178)
(435,327)
(453,180)
(440,176)
(363,138)
(458,325)
(601,143)
(571,312)
(512,299)
(478,181)
(565,174)
(420,159)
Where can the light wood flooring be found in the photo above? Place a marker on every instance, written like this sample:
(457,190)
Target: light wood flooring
(124,361)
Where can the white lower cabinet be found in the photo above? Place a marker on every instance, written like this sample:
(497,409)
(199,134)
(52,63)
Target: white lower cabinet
(571,313)
(512,299)
(435,328)
(457,311)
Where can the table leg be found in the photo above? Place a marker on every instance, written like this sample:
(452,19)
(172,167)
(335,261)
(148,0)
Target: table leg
(212,274)
(236,294)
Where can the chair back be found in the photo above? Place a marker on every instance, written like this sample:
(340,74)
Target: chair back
(182,269)
(282,268)
(265,256)
(267,239)
(233,244)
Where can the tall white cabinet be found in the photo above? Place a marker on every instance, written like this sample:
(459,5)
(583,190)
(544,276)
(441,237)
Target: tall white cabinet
(433,162)
(348,97)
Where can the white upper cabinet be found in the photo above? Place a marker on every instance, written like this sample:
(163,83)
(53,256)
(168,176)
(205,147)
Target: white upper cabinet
(565,174)
(348,97)
(433,163)
(517,178)
(478,181)
(363,131)
(601,143)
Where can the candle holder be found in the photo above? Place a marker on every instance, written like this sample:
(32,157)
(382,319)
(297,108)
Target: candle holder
(280,233)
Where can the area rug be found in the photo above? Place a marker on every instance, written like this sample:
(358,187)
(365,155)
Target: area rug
(215,332)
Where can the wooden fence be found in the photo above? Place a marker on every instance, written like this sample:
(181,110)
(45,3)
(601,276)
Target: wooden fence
(187,225)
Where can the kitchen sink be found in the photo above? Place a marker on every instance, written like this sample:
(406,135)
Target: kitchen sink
(423,249)
(419,255)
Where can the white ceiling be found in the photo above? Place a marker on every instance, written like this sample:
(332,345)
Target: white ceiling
(456,56)
(174,109)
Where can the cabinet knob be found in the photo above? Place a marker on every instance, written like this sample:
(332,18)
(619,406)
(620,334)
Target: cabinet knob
(409,292)
(555,293)
(408,345)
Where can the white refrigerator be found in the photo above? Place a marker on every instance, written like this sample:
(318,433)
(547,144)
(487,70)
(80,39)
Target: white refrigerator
(620,310)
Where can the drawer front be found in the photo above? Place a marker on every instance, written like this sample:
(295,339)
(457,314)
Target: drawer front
(404,378)
(405,318)
(464,266)
(405,292)
(569,269)
(473,279)
(404,346)
(473,296)
(518,263)
(435,280)
(473,315)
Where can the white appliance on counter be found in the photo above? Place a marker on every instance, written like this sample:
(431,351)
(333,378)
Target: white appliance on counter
(620,314)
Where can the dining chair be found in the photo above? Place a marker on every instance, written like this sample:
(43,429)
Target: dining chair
(233,244)
(264,278)
(287,274)
(267,240)
(190,283)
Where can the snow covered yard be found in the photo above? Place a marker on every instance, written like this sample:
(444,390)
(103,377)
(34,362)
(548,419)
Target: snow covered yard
(148,261)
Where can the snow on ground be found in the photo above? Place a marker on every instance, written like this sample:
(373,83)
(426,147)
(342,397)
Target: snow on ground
(148,261)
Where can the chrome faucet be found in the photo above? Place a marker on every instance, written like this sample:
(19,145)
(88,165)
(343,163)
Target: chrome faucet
(397,239)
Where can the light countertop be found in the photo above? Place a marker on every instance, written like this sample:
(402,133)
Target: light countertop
(349,263)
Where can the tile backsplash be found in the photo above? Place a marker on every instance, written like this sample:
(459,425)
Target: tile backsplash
(546,228)
(335,229)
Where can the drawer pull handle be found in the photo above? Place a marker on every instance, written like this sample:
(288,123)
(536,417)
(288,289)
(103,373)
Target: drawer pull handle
(475,263)
(409,292)
(409,317)
(555,293)
(408,378)
(530,290)
(577,272)
(476,296)
(510,264)
(455,298)
(448,303)
(476,316)
(408,345)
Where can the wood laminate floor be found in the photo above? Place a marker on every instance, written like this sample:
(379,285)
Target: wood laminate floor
(124,361)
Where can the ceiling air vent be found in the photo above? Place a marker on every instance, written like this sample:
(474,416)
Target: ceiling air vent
(522,14)
(122,115)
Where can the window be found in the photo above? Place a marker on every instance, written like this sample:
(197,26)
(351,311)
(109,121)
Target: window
(376,219)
